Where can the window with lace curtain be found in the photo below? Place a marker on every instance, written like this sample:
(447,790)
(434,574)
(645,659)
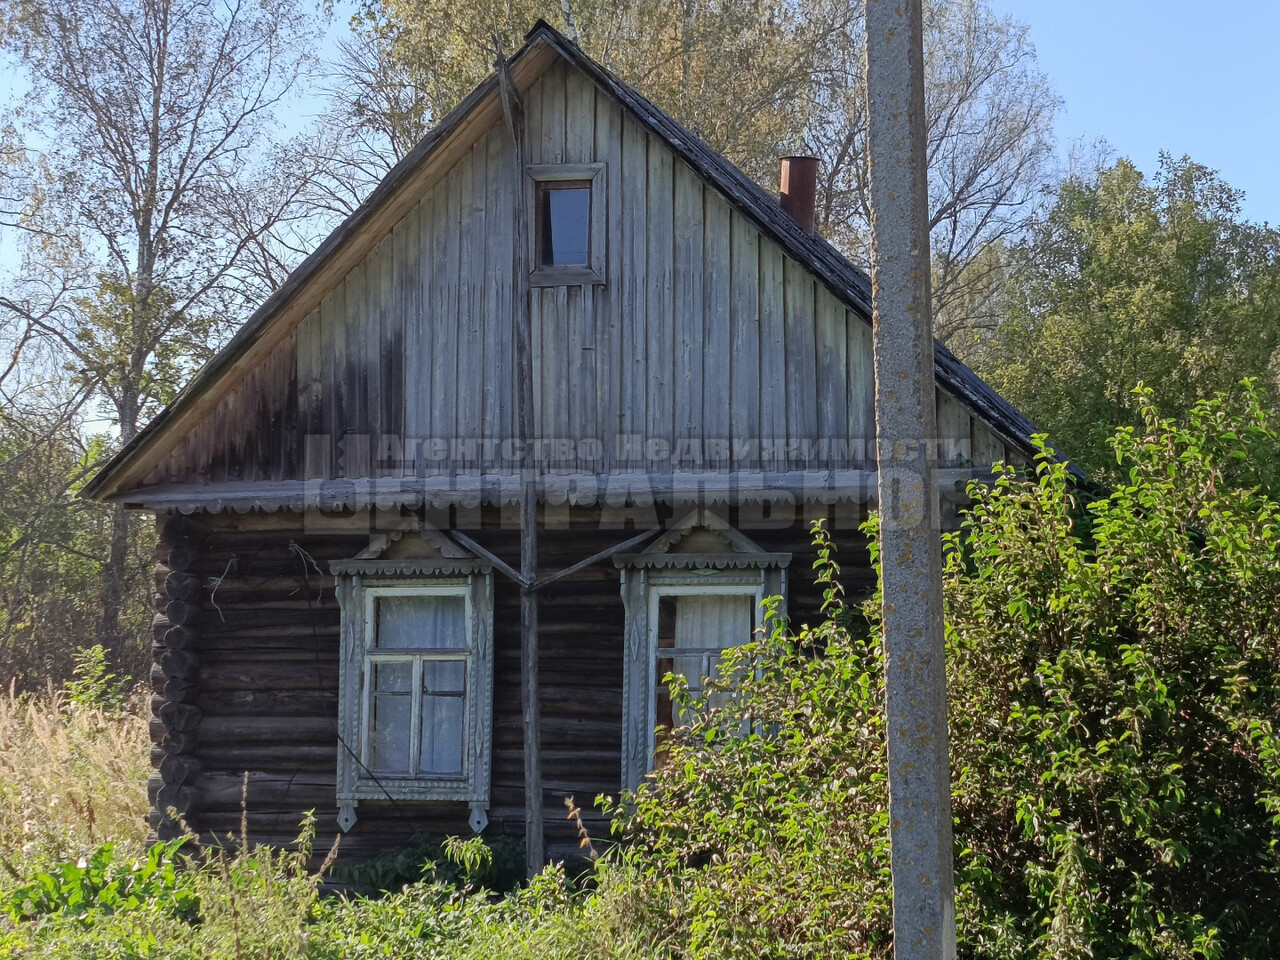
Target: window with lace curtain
(415,705)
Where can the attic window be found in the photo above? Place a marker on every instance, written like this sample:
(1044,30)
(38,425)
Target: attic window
(564,211)
(567,223)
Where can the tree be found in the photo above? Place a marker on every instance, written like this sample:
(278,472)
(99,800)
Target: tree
(1125,280)
(989,112)
(741,75)
(128,163)
(755,80)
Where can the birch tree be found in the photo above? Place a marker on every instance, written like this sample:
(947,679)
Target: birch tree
(127,164)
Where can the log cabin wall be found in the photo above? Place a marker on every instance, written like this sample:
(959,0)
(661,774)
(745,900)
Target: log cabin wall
(703,331)
(263,630)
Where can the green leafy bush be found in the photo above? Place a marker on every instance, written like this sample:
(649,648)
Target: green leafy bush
(1114,694)
(763,832)
(1115,676)
(104,884)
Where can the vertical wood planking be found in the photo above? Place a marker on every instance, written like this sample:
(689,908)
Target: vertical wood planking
(498,358)
(376,282)
(802,395)
(987,447)
(331,311)
(289,463)
(409,300)
(554,310)
(552,120)
(659,418)
(555,341)
(470,348)
(703,330)
(717,271)
(773,356)
(608,300)
(633,231)
(954,445)
(353,377)
(535,131)
(444,326)
(862,389)
(687,284)
(430,297)
(310,390)
(388,400)
(579,118)
(832,343)
(579,127)
(744,320)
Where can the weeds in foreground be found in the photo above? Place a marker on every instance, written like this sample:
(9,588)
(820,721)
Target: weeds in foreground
(73,776)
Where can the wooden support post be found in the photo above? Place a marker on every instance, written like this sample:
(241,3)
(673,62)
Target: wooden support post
(535,847)
(910,538)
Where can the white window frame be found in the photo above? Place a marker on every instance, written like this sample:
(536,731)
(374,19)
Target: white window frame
(359,588)
(541,275)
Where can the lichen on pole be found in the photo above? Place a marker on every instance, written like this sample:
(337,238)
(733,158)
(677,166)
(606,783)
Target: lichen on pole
(906,448)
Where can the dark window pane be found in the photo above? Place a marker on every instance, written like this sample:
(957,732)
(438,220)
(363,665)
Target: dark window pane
(566,220)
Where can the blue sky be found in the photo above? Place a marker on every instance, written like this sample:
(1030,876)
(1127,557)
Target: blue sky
(1197,78)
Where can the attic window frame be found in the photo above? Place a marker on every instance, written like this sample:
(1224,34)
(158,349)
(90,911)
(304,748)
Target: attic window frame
(592,175)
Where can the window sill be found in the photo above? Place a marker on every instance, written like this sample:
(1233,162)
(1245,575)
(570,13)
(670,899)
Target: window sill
(564,277)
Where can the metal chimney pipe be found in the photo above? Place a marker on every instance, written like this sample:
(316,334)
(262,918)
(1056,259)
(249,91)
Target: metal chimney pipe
(798,189)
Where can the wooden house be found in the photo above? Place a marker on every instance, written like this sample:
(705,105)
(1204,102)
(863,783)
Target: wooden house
(543,420)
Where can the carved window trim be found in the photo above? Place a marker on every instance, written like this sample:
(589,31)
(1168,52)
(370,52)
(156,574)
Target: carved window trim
(360,583)
(742,568)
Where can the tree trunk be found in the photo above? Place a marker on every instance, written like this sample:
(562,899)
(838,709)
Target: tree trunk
(115,573)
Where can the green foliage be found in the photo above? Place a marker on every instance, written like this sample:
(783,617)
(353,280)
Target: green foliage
(1126,279)
(92,684)
(103,884)
(498,865)
(1115,668)
(763,832)
(52,547)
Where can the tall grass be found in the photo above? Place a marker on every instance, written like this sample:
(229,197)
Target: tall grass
(73,775)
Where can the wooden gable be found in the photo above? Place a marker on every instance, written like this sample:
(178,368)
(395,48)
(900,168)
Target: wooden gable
(707,348)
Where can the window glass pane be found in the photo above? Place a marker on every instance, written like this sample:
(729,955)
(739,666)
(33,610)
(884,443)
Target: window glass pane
(443,723)
(421,621)
(444,676)
(713,622)
(390,735)
(394,677)
(692,630)
(566,222)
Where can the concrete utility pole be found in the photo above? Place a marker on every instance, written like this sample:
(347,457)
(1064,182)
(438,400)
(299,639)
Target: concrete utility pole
(906,449)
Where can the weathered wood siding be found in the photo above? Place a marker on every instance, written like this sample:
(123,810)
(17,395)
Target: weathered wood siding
(258,696)
(703,334)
